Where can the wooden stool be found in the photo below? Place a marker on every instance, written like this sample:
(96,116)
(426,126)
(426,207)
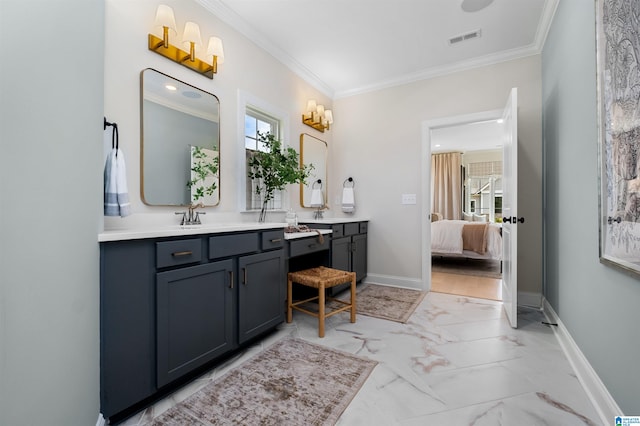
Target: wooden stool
(321,278)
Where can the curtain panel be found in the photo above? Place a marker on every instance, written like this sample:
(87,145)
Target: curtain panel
(446,184)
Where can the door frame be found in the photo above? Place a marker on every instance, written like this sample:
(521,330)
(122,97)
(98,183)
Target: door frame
(427,127)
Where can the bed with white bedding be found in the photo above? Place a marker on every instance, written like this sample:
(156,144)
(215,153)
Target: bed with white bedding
(460,238)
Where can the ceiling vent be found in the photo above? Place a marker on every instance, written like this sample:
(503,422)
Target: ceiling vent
(464,37)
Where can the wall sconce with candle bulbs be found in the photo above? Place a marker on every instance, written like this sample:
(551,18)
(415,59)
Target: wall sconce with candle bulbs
(317,117)
(191,38)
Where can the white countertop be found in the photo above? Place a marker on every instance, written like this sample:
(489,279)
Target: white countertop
(312,233)
(334,220)
(179,230)
(215,228)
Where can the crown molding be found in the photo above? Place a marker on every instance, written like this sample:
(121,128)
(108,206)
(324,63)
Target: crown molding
(507,55)
(236,22)
(548,12)
(231,18)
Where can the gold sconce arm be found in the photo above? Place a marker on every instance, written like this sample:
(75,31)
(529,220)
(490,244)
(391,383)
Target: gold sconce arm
(179,56)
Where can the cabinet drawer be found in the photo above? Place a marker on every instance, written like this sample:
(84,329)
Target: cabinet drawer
(337,231)
(364,227)
(351,228)
(272,239)
(179,252)
(231,245)
(307,245)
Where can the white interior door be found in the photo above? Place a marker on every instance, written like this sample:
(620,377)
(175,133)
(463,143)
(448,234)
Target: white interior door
(510,209)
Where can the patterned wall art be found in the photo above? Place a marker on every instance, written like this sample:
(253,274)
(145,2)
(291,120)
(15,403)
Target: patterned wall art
(618,79)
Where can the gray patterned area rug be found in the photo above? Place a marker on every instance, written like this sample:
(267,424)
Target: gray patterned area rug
(390,303)
(293,382)
(462,266)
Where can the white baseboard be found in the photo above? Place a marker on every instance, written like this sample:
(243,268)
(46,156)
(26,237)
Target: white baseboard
(414,283)
(100,421)
(597,392)
(533,300)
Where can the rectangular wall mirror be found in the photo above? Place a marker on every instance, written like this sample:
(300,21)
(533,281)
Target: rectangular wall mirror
(180,142)
(313,151)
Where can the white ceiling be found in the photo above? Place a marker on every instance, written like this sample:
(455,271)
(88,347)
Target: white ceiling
(345,47)
(480,136)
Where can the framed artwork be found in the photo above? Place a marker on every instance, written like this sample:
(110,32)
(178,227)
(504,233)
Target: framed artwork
(618,87)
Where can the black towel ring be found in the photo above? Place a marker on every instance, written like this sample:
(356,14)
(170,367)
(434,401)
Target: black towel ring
(115,142)
(318,182)
(347,181)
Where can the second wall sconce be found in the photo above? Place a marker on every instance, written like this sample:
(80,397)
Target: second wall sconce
(317,117)
(191,38)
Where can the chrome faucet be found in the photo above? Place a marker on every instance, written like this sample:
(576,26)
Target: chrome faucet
(191,217)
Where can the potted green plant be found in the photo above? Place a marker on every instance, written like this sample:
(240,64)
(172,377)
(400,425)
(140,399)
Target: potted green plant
(204,173)
(275,168)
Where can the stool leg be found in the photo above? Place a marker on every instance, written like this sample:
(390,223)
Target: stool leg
(353,297)
(321,310)
(289,299)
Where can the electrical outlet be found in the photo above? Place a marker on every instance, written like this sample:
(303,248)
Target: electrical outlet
(409,199)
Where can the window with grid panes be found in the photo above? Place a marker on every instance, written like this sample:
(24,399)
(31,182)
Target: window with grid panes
(254,122)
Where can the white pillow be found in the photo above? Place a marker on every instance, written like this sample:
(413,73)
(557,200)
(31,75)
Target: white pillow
(479,218)
(468,217)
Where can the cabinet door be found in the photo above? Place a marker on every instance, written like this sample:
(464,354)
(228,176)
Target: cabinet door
(194,317)
(341,253)
(261,293)
(359,256)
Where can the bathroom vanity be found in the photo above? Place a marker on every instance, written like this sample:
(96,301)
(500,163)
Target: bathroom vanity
(174,301)
(169,305)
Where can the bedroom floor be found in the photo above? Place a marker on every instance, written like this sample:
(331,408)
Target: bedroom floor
(455,362)
(466,285)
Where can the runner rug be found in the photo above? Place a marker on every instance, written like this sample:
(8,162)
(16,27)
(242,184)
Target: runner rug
(291,382)
(390,303)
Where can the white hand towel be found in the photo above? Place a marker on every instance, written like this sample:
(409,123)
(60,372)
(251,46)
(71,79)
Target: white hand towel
(116,196)
(316,198)
(348,200)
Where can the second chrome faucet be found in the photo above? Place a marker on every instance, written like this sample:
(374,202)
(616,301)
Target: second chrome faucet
(191,217)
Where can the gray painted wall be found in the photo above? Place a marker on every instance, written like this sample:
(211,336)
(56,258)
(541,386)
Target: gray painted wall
(51,109)
(597,304)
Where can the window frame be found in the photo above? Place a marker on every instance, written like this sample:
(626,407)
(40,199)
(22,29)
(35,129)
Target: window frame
(247,101)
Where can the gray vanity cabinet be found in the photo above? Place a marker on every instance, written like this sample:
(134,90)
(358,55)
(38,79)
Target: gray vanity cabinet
(171,306)
(194,311)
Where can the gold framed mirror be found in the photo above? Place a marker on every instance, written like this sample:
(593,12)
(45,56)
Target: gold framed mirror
(313,151)
(179,144)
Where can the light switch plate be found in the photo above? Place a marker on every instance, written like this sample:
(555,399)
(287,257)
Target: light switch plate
(409,199)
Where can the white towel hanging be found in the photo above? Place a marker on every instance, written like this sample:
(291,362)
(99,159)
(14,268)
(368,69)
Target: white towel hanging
(116,194)
(348,196)
(316,198)
(348,200)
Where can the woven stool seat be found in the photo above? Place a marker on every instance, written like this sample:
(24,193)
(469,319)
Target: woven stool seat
(321,278)
(315,277)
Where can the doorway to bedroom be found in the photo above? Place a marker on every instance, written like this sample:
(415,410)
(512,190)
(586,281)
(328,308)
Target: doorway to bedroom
(466,199)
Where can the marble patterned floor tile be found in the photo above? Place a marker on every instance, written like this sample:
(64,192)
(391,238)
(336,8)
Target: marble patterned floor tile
(456,361)
(474,385)
(533,408)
